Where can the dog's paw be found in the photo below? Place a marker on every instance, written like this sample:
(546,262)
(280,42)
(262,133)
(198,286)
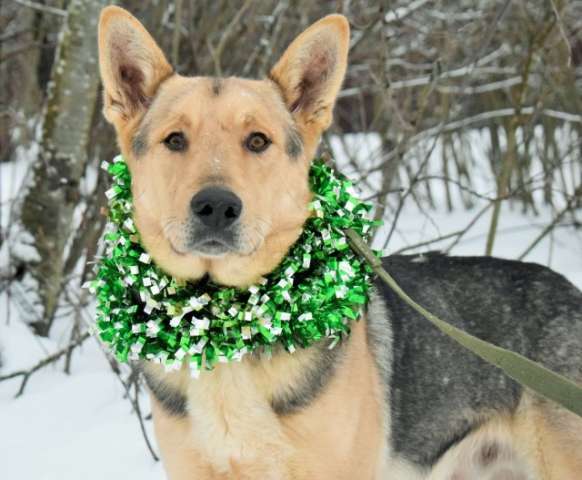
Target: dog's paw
(482,460)
(496,461)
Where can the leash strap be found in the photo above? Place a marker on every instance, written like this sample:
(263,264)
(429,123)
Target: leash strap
(530,374)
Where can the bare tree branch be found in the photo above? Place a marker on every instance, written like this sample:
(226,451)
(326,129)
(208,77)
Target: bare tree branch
(26,374)
(42,8)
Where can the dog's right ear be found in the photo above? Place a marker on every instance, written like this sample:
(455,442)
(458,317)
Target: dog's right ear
(131,63)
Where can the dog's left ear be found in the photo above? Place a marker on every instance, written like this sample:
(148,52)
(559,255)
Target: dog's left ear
(311,71)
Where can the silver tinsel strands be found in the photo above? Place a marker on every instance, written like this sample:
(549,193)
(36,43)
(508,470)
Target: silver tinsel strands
(316,291)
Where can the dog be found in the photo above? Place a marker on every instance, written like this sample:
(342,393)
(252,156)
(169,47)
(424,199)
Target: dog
(220,183)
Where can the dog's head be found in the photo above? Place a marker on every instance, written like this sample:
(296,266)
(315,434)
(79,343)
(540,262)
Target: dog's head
(219,165)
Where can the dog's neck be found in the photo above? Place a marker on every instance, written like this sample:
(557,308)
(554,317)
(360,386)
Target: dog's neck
(317,289)
(282,381)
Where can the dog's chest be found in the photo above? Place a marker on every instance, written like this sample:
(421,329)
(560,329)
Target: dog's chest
(233,426)
(339,435)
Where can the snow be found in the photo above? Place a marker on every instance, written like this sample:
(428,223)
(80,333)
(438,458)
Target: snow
(68,427)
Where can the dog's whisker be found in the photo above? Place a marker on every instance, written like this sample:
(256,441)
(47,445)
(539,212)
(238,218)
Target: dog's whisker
(254,234)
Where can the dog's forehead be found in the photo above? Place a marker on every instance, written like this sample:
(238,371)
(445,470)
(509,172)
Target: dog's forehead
(234,98)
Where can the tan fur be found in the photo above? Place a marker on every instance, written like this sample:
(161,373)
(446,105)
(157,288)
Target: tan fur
(231,431)
(552,439)
(538,442)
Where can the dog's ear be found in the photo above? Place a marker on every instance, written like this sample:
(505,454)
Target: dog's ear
(131,63)
(311,71)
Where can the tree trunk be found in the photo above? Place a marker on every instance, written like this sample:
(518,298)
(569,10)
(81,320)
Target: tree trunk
(20,95)
(53,191)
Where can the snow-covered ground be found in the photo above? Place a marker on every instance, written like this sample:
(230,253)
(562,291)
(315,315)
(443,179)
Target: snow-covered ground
(68,427)
(80,426)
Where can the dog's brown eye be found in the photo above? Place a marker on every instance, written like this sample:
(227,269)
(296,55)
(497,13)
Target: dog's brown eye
(257,142)
(176,141)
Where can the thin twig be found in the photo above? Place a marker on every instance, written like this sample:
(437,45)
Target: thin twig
(402,199)
(26,374)
(216,53)
(569,206)
(141,424)
(400,13)
(468,227)
(77,305)
(177,32)
(42,8)
(134,403)
(560,23)
(428,242)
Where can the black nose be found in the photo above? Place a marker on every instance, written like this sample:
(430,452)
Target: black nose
(216,207)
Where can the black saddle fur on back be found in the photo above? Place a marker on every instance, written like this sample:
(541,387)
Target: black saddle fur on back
(437,388)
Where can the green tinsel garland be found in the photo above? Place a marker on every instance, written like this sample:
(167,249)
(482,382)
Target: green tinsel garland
(319,287)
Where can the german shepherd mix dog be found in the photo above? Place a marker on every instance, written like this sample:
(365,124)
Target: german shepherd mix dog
(220,183)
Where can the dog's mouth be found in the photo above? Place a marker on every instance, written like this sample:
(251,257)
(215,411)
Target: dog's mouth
(207,247)
(201,242)
(212,247)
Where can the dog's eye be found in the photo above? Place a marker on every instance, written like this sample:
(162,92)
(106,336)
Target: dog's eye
(257,142)
(176,141)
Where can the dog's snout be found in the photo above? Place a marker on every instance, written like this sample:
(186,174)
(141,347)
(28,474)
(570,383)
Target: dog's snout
(216,208)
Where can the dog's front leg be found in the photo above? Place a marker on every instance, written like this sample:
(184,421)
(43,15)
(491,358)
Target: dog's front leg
(174,437)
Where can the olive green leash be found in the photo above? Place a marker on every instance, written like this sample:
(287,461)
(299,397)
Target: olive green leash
(527,372)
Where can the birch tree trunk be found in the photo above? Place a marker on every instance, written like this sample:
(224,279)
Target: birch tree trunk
(53,190)
(20,95)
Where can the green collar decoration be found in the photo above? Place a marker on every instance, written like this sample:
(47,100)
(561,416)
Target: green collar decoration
(315,292)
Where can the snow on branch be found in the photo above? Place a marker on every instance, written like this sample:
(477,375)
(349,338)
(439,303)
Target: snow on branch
(400,13)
